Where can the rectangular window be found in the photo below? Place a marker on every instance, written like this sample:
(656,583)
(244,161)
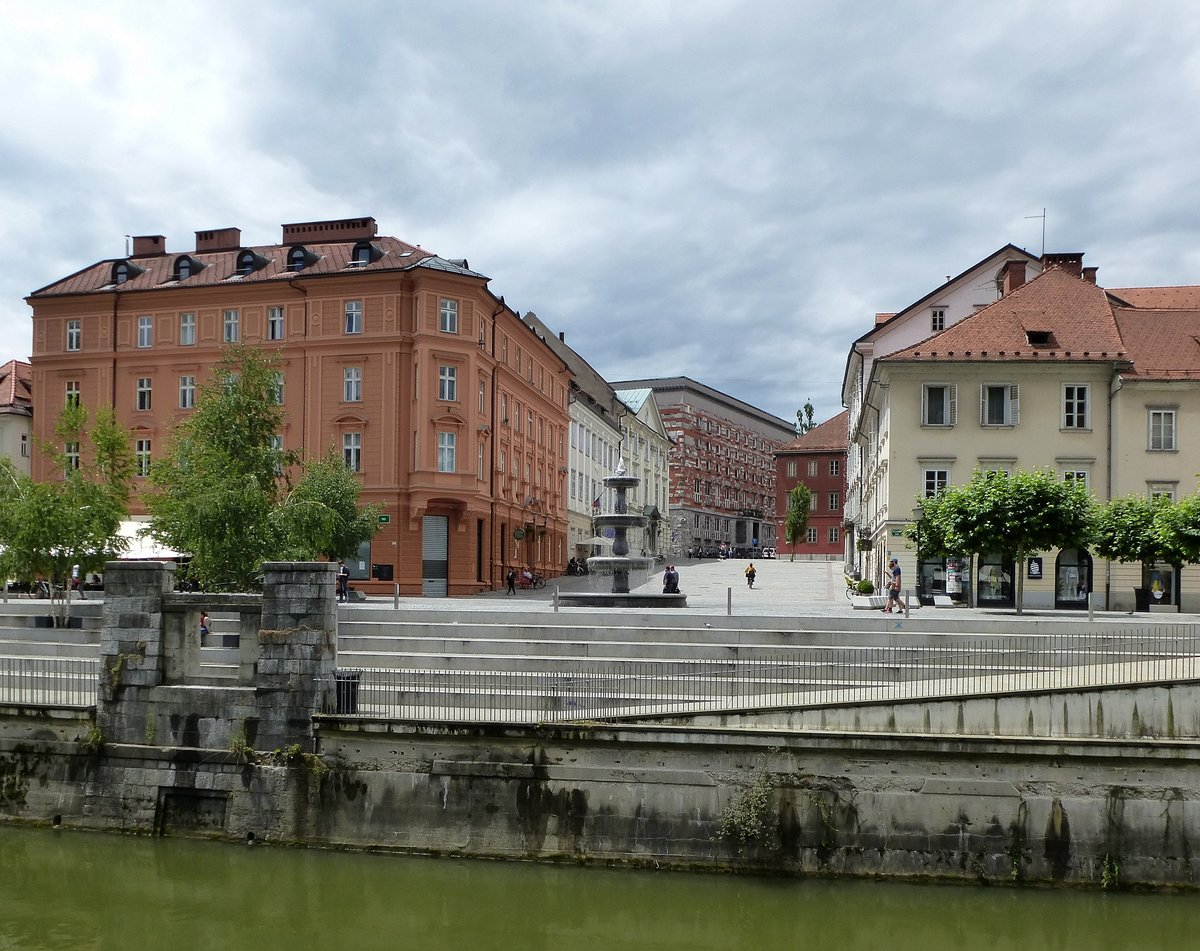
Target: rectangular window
(445,453)
(354,323)
(833,535)
(812,536)
(1075,407)
(73,334)
(274,323)
(232,326)
(352,384)
(145,331)
(187,392)
(1162,490)
(999,405)
(935,481)
(812,467)
(143,393)
(72,393)
(812,502)
(937,320)
(278,389)
(503,409)
(791,469)
(1162,430)
(939,404)
(482,396)
(835,467)
(352,451)
(187,330)
(835,499)
(1076,475)
(25,445)
(479,463)
(529,424)
(448,316)
(71,451)
(448,383)
(141,457)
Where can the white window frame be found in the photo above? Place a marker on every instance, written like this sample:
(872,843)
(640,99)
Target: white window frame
(1011,403)
(812,535)
(934,479)
(276,323)
(232,327)
(1164,440)
(835,500)
(1158,489)
(1074,416)
(144,398)
(352,451)
(141,457)
(791,469)
(72,393)
(145,331)
(352,384)
(187,392)
(448,384)
(448,316)
(447,448)
(937,319)
(187,329)
(812,467)
(949,406)
(834,535)
(71,451)
(277,390)
(835,467)
(354,317)
(1075,474)
(74,335)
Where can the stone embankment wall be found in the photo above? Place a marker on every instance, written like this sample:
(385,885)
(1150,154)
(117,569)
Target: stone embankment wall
(181,757)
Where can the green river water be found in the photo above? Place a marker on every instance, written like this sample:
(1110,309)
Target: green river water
(74,890)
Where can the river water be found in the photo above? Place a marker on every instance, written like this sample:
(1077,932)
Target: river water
(76,890)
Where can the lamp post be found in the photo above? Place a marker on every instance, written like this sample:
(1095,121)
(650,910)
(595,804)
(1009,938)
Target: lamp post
(918,513)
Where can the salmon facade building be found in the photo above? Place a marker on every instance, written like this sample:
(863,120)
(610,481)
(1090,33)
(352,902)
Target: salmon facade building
(452,411)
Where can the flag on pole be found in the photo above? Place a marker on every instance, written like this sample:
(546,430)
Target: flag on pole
(596,504)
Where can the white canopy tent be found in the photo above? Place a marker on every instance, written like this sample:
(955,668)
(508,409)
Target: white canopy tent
(141,546)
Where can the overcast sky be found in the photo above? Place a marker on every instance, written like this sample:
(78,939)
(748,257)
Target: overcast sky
(723,190)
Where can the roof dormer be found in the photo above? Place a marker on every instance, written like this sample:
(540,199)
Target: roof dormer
(249,261)
(299,257)
(123,271)
(364,253)
(186,266)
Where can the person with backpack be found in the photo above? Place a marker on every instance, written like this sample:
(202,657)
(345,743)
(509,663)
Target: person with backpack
(750,573)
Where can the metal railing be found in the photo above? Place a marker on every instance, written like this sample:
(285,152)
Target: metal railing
(49,681)
(758,678)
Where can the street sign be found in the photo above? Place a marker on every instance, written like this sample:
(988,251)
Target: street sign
(384,519)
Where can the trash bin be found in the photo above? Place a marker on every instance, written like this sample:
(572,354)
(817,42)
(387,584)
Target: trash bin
(346,684)
(1141,599)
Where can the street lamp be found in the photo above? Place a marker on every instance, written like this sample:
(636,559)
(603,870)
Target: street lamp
(918,513)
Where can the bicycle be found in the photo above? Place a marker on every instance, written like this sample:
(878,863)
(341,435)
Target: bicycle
(851,587)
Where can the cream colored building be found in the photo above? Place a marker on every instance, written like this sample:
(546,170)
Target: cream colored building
(647,451)
(1058,374)
(16,413)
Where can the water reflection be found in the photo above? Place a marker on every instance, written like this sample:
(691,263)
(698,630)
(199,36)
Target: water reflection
(71,890)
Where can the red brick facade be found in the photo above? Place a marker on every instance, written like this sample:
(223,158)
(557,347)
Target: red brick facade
(817,459)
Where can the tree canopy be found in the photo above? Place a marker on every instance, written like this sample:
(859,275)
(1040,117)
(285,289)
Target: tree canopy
(47,528)
(796,521)
(223,493)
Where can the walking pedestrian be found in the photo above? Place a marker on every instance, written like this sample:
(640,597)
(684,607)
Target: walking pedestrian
(894,589)
(512,581)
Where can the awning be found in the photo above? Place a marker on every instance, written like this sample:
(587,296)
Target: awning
(141,546)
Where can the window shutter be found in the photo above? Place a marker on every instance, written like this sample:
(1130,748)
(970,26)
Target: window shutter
(983,404)
(925,403)
(1014,405)
(952,408)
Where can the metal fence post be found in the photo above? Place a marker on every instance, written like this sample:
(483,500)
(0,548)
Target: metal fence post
(396,598)
(729,602)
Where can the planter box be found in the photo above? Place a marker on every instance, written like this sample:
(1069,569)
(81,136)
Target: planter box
(869,602)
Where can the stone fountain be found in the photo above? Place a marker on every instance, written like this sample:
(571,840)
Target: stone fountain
(620,563)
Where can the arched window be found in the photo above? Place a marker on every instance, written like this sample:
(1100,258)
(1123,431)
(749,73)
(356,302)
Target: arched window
(121,273)
(246,262)
(363,254)
(297,259)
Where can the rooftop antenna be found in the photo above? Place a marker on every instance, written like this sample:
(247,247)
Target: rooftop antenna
(1043,217)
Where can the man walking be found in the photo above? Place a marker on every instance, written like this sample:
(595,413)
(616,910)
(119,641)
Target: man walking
(894,589)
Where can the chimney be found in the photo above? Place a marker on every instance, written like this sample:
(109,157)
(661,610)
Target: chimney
(883,318)
(222,239)
(1089,274)
(562,336)
(340,229)
(148,245)
(1014,276)
(1069,261)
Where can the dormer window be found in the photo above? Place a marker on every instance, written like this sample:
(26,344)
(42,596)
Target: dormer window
(248,262)
(1038,338)
(299,258)
(123,271)
(363,254)
(186,267)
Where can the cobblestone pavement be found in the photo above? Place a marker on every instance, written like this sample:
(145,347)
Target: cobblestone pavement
(782,588)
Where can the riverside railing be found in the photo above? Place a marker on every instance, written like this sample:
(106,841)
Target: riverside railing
(49,681)
(761,678)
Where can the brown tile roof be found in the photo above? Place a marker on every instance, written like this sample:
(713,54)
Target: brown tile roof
(220,267)
(829,436)
(1163,344)
(1159,298)
(1072,316)
(16,388)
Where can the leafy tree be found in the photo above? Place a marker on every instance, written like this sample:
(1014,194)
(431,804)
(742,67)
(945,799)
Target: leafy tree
(46,528)
(1126,529)
(796,521)
(1020,513)
(222,492)
(804,418)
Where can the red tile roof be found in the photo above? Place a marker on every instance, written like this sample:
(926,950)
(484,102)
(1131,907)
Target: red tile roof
(16,388)
(1163,344)
(220,267)
(1159,298)
(1073,316)
(829,436)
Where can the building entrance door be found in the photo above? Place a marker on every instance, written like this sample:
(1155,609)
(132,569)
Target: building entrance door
(435,555)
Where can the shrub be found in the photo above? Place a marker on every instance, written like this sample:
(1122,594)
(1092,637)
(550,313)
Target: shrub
(866,587)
